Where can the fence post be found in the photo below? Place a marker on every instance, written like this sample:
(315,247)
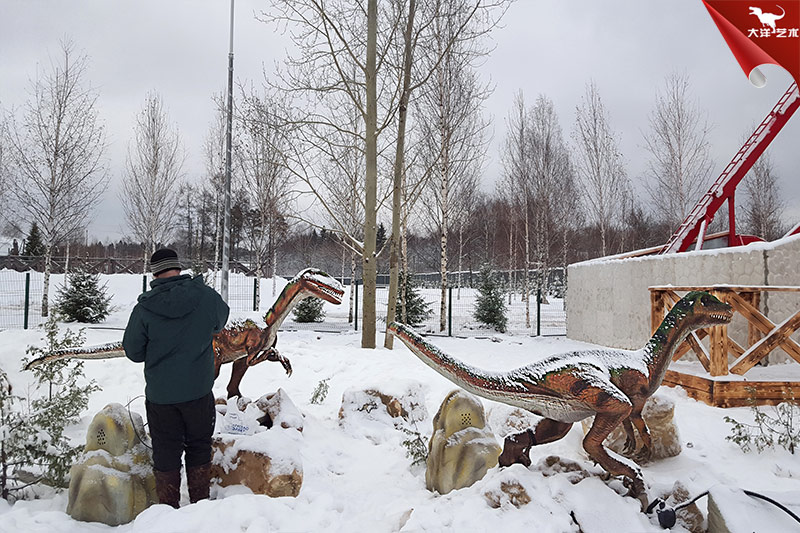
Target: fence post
(144,282)
(255,292)
(538,312)
(355,316)
(27,298)
(450,311)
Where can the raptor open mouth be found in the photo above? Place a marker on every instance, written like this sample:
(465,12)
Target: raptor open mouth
(723,317)
(333,295)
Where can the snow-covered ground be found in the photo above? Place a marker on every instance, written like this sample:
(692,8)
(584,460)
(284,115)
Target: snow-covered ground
(360,479)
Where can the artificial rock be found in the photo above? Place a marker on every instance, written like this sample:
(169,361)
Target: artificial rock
(113,482)
(658,414)
(254,469)
(462,448)
(267,462)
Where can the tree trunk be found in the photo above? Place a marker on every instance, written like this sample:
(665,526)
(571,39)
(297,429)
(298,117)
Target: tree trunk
(352,286)
(371,182)
(460,253)
(525,287)
(510,258)
(399,164)
(48,259)
(404,255)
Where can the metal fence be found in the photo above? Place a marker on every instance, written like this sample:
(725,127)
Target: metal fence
(21,297)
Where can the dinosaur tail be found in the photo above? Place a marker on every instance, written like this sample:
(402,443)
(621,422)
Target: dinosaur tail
(100,351)
(475,380)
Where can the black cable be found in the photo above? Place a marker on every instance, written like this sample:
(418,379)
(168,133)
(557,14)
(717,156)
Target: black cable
(130,416)
(667,518)
(773,502)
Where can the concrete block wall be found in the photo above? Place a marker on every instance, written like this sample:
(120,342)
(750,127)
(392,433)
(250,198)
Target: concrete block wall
(608,301)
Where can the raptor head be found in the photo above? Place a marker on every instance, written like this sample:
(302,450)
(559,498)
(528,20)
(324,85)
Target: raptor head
(315,282)
(755,11)
(702,310)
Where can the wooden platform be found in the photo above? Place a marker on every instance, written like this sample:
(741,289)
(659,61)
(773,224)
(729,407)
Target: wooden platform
(719,393)
(714,384)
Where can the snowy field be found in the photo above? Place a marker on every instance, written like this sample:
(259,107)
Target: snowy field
(358,477)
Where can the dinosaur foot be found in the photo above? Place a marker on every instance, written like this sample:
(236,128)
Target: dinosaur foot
(636,489)
(516,449)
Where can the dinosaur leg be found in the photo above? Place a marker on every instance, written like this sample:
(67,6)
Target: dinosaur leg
(603,424)
(647,443)
(517,446)
(630,436)
(274,355)
(237,373)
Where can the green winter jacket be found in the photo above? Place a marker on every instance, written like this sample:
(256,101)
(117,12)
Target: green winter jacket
(171,330)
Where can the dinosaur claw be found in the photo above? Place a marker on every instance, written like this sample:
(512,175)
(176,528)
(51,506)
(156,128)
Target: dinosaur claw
(516,449)
(630,447)
(643,455)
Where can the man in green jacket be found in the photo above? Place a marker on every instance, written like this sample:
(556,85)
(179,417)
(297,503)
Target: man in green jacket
(171,330)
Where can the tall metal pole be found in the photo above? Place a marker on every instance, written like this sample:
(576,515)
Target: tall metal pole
(226,228)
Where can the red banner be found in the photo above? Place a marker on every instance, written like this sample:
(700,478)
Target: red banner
(760,33)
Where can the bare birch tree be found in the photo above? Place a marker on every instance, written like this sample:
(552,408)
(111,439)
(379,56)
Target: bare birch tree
(552,187)
(260,151)
(679,169)
(56,153)
(599,165)
(343,53)
(454,134)
(213,187)
(517,168)
(763,204)
(153,169)
(467,22)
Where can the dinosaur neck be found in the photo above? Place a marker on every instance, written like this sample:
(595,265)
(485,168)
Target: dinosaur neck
(486,384)
(289,297)
(660,348)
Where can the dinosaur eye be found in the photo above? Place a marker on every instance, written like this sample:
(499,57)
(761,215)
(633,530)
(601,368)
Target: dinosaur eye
(704,300)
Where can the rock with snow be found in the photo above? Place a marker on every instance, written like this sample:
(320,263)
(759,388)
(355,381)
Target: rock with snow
(689,517)
(113,482)
(511,492)
(368,412)
(658,414)
(280,410)
(462,448)
(573,471)
(267,462)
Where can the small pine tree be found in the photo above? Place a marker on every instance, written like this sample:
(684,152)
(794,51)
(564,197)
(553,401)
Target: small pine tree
(34,246)
(490,309)
(417,309)
(380,236)
(83,299)
(309,310)
(34,443)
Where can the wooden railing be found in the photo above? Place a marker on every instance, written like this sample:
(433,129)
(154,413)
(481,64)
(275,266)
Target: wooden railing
(763,334)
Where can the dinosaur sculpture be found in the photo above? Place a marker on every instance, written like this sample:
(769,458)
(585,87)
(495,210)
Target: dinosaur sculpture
(612,385)
(243,344)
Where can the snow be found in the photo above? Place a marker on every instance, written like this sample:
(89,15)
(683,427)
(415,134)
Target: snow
(359,478)
(758,246)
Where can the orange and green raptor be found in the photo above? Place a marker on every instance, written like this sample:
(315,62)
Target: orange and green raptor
(245,344)
(611,385)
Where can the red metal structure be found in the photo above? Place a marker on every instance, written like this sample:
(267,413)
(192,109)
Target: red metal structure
(693,229)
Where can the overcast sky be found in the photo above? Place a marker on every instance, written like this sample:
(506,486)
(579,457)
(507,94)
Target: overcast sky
(179,48)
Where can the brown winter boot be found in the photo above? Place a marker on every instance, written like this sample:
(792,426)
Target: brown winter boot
(198,478)
(168,487)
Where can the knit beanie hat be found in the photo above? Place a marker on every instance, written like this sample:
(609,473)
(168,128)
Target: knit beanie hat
(163,260)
